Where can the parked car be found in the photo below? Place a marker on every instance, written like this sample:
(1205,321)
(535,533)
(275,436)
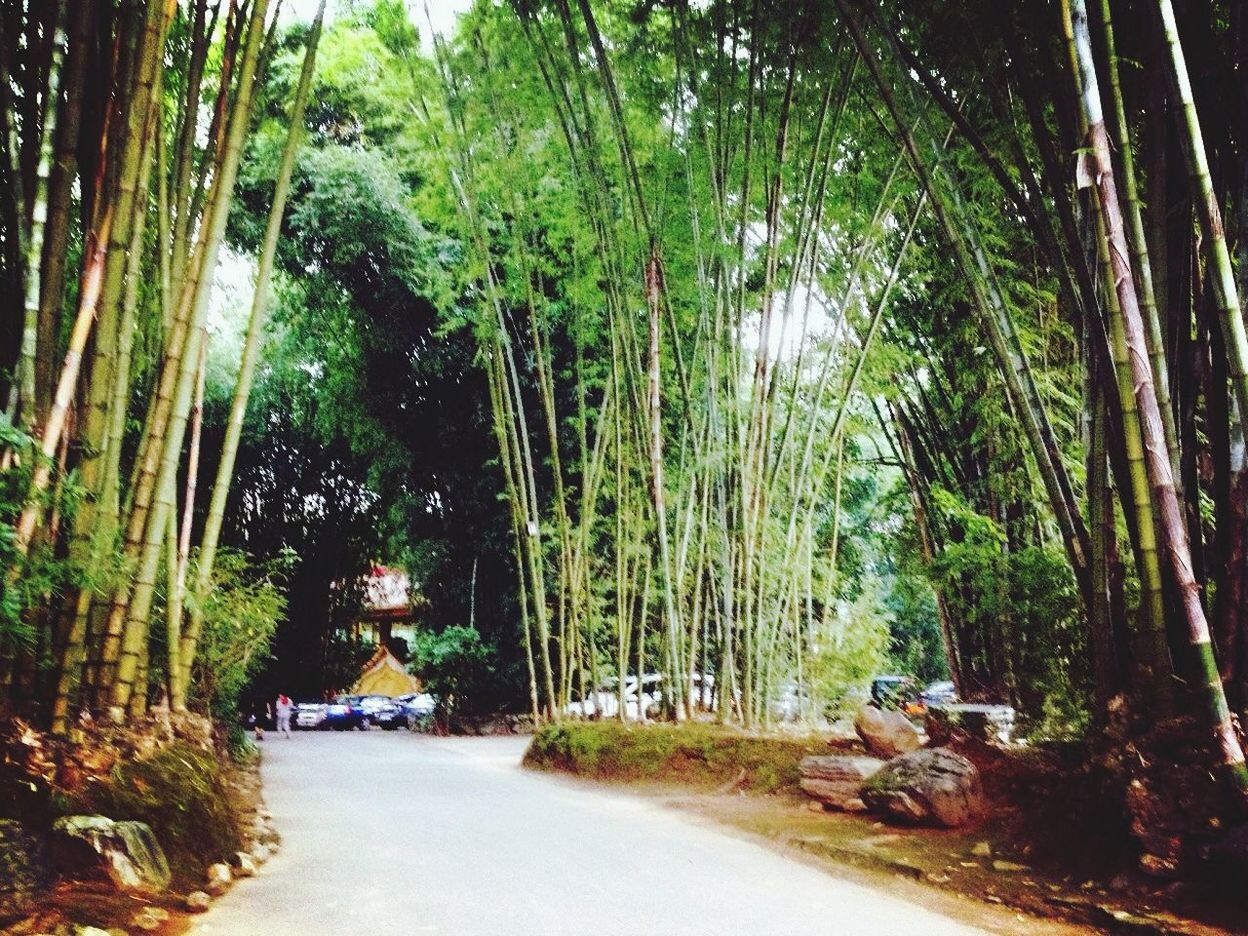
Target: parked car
(792,703)
(392,715)
(604,702)
(897,692)
(418,704)
(701,692)
(942,692)
(342,715)
(371,707)
(309,715)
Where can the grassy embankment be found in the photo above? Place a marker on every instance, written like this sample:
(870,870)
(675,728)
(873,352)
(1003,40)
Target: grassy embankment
(184,794)
(701,756)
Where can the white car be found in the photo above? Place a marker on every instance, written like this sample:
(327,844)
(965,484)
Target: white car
(792,703)
(605,701)
(309,714)
(418,704)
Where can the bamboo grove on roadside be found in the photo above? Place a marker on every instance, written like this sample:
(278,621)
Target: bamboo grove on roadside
(760,191)
(724,263)
(121,154)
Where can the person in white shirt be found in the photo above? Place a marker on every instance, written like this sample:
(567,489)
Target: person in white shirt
(285,708)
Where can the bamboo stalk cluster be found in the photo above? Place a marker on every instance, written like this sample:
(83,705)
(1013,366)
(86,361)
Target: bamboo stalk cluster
(675,483)
(669,448)
(146,110)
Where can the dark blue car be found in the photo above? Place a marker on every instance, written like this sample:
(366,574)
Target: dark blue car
(342,715)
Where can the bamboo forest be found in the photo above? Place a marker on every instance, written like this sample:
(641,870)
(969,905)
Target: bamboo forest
(725,365)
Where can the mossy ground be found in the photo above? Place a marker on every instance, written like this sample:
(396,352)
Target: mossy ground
(704,756)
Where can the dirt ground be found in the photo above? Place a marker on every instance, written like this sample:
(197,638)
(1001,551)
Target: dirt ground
(977,865)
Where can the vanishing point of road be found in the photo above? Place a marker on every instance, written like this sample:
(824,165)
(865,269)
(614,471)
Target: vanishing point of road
(405,834)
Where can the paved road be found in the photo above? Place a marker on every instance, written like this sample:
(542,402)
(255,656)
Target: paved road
(398,833)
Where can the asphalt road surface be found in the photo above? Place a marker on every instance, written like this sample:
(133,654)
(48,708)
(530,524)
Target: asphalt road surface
(399,833)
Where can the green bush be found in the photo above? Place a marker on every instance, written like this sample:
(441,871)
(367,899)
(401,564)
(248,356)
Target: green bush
(455,664)
(241,614)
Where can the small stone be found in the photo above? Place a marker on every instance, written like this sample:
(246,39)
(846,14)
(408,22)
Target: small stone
(245,865)
(993,898)
(261,853)
(219,878)
(854,804)
(938,878)
(982,850)
(90,931)
(197,901)
(1120,882)
(150,918)
(999,865)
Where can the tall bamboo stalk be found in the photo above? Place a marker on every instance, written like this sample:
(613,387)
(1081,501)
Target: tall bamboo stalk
(1221,271)
(1171,517)
(179,370)
(973,264)
(252,345)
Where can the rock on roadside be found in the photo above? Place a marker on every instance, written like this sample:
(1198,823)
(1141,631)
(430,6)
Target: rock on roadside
(886,733)
(244,865)
(219,879)
(932,786)
(150,919)
(198,901)
(835,779)
(124,853)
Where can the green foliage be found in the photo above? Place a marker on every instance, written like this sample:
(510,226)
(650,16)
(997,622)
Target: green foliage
(14,484)
(455,664)
(1023,603)
(851,647)
(241,613)
(45,569)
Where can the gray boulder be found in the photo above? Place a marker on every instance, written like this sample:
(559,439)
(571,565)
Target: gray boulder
(885,732)
(124,853)
(933,786)
(994,723)
(835,779)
